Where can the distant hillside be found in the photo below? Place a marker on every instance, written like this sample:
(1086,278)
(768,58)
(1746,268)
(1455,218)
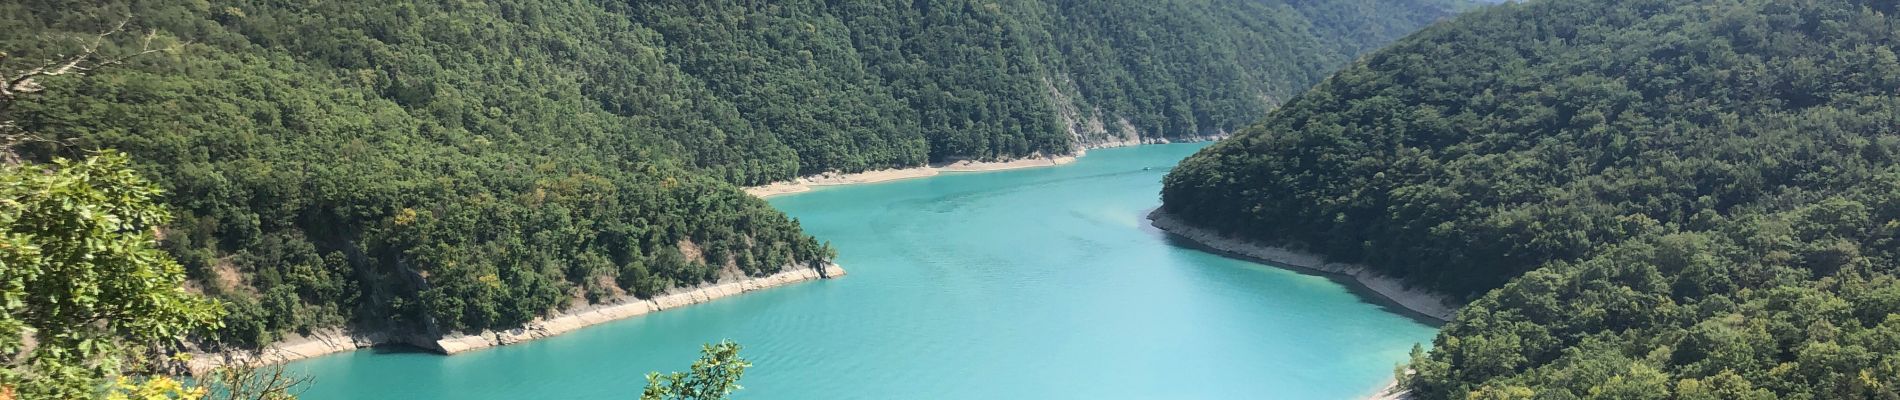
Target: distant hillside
(433,167)
(851,86)
(1663,199)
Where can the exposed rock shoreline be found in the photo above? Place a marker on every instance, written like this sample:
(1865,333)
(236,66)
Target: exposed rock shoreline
(1424,302)
(600,313)
(806,183)
(337,341)
(1391,391)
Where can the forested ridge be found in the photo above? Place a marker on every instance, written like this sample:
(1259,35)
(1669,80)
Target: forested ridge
(853,86)
(1642,199)
(430,167)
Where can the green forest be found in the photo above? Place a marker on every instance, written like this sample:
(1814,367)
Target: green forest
(1640,199)
(431,167)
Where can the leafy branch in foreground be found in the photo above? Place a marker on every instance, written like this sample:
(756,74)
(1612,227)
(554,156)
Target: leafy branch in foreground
(715,376)
(89,306)
(84,289)
(254,381)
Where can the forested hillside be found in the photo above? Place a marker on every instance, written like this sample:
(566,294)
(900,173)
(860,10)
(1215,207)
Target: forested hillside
(441,166)
(1662,199)
(851,86)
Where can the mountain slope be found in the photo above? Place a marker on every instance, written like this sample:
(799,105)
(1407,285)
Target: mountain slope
(1644,198)
(384,166)
(440,167)
(881,84)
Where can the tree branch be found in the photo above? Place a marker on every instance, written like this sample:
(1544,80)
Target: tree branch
(88,59)
(16,84)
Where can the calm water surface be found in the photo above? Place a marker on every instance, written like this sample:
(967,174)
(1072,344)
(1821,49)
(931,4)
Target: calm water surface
(1042,283)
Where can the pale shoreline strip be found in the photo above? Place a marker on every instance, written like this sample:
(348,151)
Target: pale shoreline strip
(1424,302)
(806,183)
(601,313)
(1434,305)
(1390,391)
(337,341)
(987,166)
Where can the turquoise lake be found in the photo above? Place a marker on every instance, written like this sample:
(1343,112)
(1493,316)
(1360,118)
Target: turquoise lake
(1026,284)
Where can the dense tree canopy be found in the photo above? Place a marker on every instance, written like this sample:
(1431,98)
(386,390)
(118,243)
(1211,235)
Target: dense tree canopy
(1643,198)
(440,166)
(313,189)
(862,85)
